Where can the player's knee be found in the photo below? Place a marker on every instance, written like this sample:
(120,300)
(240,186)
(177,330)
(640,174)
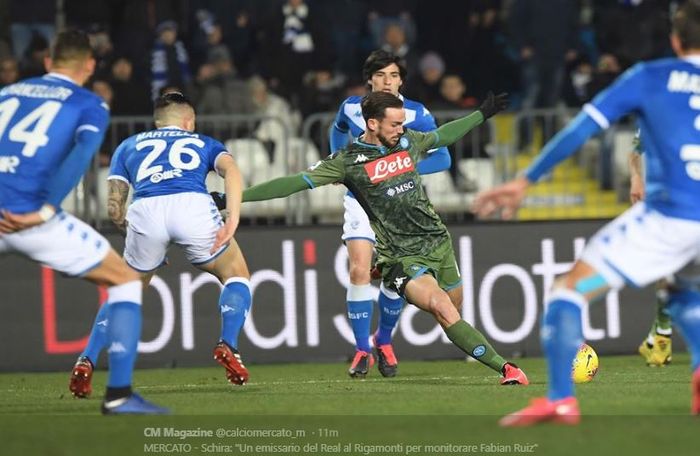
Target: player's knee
(126,274)
(456,297)
(359,275)
(441,306)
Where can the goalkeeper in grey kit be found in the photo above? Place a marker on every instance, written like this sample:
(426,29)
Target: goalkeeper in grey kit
(414,248)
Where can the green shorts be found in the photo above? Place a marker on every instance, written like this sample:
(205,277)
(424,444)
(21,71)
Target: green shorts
(441,264)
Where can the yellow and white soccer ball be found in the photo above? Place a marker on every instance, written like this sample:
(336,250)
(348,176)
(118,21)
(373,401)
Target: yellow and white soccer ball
(585,365)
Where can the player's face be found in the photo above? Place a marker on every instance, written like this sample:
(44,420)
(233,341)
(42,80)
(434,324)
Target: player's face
(390,129)
(388,79)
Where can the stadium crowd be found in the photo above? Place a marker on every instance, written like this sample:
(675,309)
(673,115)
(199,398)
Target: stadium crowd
(291,58)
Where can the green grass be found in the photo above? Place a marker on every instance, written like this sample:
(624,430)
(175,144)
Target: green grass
(629,409)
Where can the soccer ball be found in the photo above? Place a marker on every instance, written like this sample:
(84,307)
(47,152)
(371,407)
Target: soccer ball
(585,365)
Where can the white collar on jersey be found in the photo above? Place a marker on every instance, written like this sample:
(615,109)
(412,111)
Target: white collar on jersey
(171,127)
(692,58)
(60,76)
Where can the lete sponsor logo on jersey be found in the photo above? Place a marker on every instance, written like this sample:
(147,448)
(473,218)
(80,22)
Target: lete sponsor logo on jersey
(394,165)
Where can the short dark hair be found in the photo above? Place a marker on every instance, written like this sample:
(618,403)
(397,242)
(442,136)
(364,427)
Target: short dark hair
(686,24)
(71,44)
(167,100)
(374,105)
(381,59)
(171,98)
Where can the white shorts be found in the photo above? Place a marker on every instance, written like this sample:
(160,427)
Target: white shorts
(356,224)
(189,220)
(641,246)
(64,243)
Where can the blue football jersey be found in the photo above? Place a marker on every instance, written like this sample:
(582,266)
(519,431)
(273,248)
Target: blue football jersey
(665,96)
(40,119)
(349,117)
(165,161)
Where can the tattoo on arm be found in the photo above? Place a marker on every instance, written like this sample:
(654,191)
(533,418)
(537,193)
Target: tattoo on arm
(116,202)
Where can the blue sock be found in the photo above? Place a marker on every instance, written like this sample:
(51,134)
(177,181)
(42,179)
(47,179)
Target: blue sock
(390,305)
(98,336)
(562,336)
(684,308)
(234,304)
(359,305)
(124,331)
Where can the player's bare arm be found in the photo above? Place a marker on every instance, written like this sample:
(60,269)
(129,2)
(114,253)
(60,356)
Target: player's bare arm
(118,192)
(507,197)
(233,183)
(636,177)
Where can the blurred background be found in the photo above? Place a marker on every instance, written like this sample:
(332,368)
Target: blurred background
(267,76)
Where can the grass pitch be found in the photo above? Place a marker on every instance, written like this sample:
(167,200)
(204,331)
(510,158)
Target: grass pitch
(446,407)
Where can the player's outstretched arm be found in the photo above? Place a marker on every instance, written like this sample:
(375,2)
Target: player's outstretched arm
(510,195)
(276,188)
(72,169)
(452,131)
(117,194)
(233,184)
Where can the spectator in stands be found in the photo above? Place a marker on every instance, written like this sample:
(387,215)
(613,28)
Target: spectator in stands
(102,49)
(280,122)
(219,89)
(32,63)
(395,42)
(238,20)
(454,96)
(131,94)
(102,88)
(426,87)
(576,86)
(169,60)
(392,12)
(322,91)
(294,41)
(545,34)
(134,24)
(607,70)
(208,37)
(347,32)
(9,71)
(633,30)
(585,81)
(28,19)
(486,64)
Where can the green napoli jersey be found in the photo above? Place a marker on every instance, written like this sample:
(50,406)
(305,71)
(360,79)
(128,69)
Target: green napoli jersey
(387,185)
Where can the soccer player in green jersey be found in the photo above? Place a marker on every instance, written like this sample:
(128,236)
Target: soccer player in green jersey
(656,348)
(415,252)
